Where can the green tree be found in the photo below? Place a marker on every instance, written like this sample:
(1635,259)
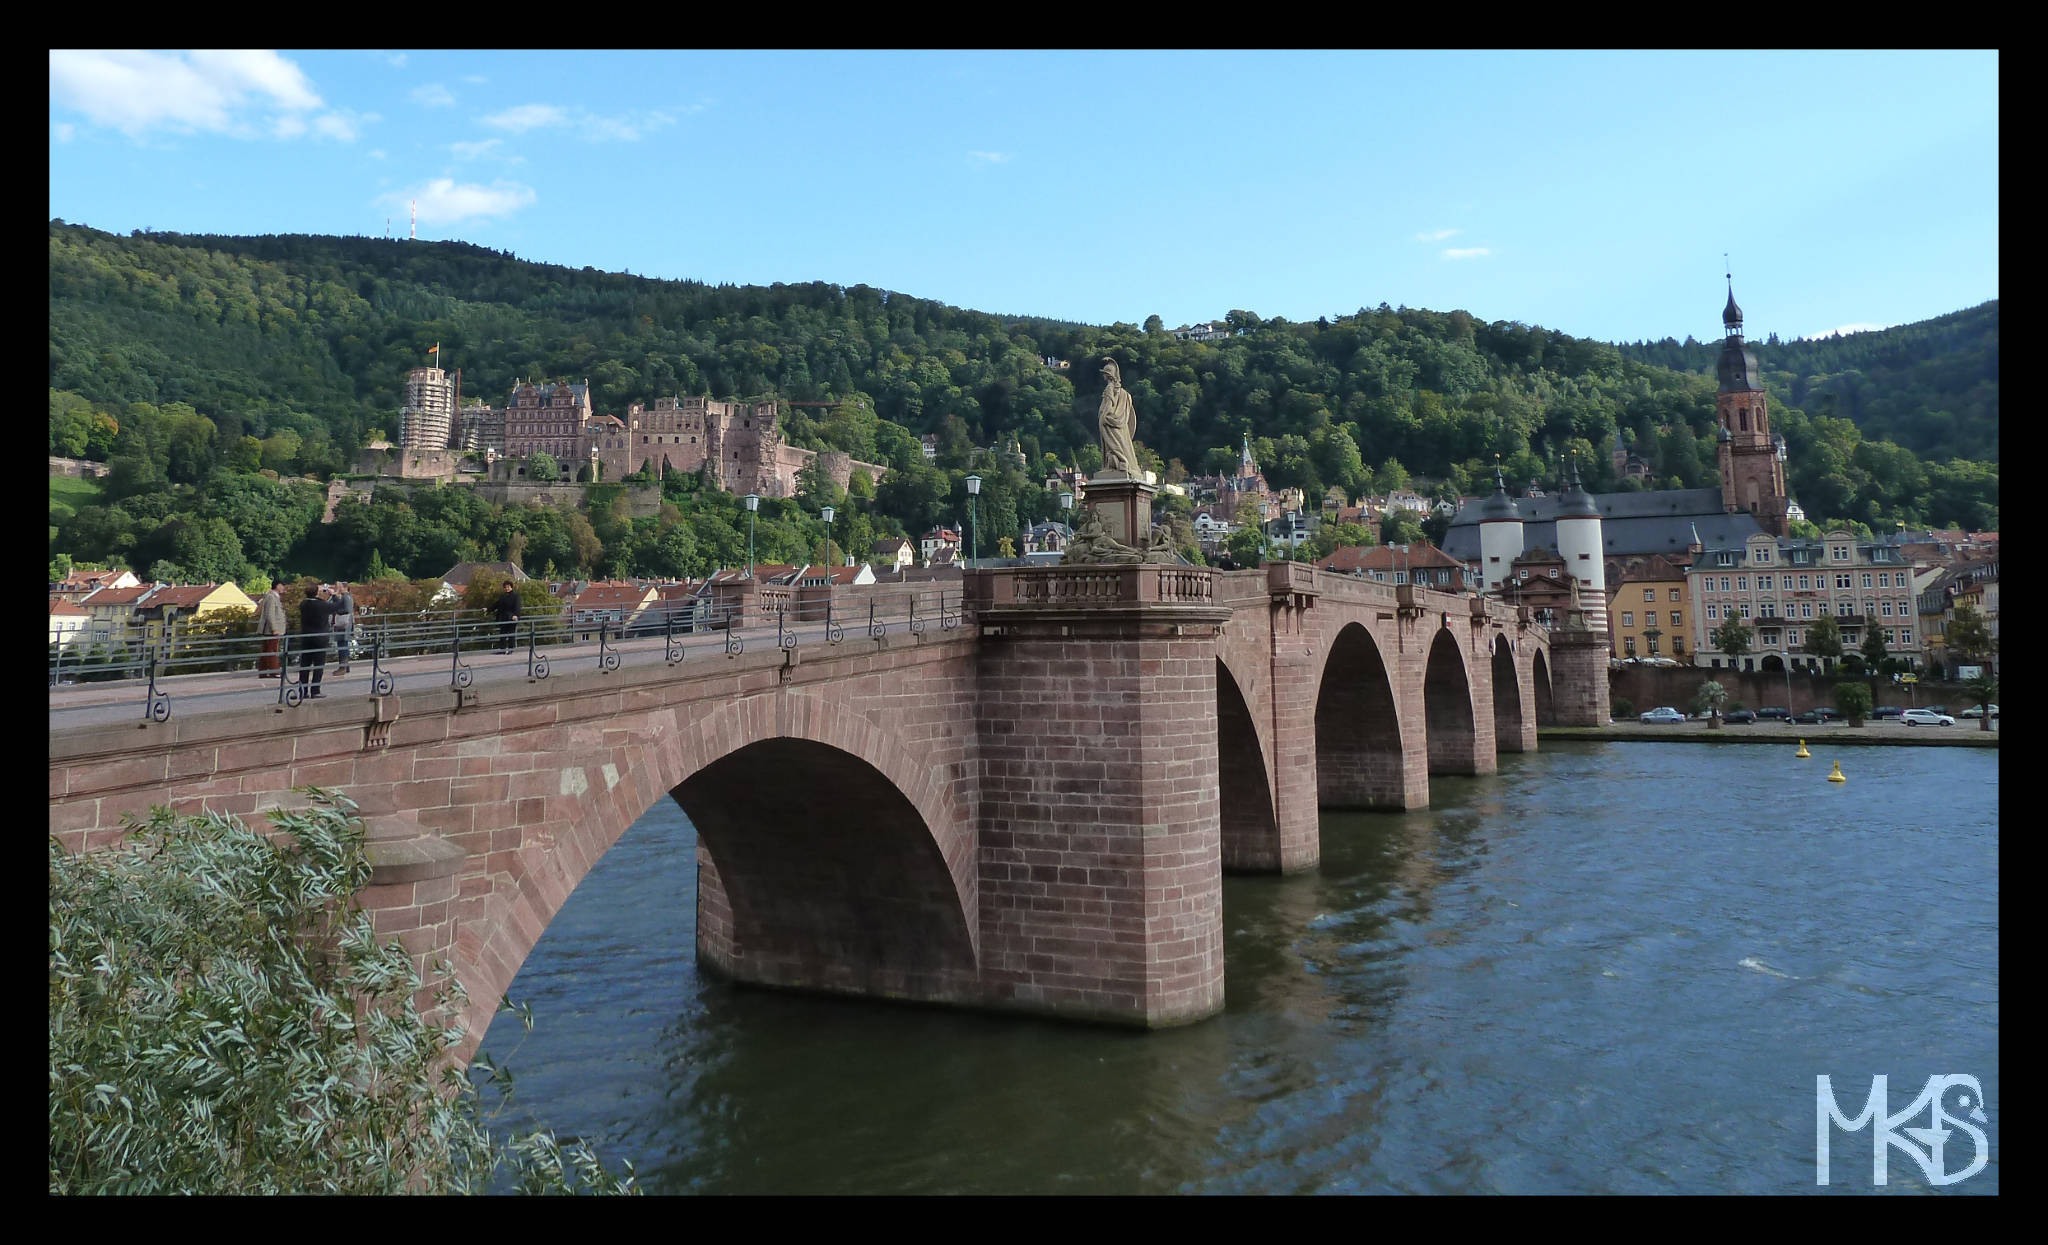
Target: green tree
(542,468)
(1875,655)
(1824,640)
(1983,689)
(1401,527)
(1731,637)
(223,1020)
(1853,699)
(1967,635)
(1709,699)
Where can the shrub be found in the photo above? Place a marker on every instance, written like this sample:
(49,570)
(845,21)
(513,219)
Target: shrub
(223,1020)
(1623,708)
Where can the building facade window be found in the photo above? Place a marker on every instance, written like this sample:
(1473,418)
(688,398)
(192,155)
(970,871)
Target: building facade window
(1713,613)
(1745,609)
(1676,619)
(1806,609)
(1628,643)
(1742,583)
(1649,595)
(1675,596)
(1866,579)
(1905,637)
(1678,646)
(1628,618)
(1724,584)
(1763,583)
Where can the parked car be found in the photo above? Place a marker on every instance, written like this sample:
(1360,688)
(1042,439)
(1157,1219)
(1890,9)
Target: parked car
(1886,711)
(1977,711)
(1663,713)
(1774,713)
(1739,717)
(1926,717)
(1819,717)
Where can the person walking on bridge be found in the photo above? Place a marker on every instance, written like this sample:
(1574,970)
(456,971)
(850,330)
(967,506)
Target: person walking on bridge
(344,608)
(270,625)
(316,631)
(507,610)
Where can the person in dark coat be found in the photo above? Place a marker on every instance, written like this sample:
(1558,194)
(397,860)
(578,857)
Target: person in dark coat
(507,610)
(316,632)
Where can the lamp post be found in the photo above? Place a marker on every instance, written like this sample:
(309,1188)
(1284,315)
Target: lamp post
(1066,516)
(753,504)
(826,513)
(973,528)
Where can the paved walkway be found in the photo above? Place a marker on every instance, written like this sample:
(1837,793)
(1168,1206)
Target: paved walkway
(114,703)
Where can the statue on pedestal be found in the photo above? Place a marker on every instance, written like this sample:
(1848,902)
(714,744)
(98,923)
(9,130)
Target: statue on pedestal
(1118,420)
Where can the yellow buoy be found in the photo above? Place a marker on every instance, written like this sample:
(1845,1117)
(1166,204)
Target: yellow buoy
(1837,775)
(1802,750)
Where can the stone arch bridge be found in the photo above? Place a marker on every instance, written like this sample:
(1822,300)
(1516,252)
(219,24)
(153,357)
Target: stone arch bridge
(1032,811)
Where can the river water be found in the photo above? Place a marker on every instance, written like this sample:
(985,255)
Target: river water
(1611,967)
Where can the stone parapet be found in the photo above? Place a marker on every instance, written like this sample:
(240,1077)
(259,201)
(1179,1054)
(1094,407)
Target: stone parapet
(1088,587)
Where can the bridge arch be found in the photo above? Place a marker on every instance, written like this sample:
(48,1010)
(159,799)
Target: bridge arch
(1362,759)
(829,857)
(1447,708)
(1509,714)
(1539,683)
(1251,831)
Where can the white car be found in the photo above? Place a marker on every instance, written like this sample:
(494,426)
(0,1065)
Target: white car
(1663,714)
(1926,717)
(1977,711)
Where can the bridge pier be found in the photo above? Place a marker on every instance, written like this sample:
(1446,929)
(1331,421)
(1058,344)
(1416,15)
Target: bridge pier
(1101,876)
(1578,675)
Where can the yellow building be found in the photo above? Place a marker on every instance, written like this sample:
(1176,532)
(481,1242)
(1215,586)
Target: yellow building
(1648,614)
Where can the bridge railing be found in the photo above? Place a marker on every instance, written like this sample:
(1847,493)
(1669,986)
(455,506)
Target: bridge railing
(413,643)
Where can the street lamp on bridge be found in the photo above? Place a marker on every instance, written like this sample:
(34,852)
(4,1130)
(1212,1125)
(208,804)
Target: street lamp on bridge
(753,504)
(973,528)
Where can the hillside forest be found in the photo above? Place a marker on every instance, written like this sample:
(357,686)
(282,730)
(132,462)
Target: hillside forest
(224,378)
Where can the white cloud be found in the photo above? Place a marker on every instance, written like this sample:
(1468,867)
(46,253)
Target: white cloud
(593,128)
(1847,329)
(288,126)
(394,59)
(433,95)
(1437,235)
(445,201)
(526,117)
(65,130)
(136,92)
(475,79)
(473,151)
(993,157)
(378,154)
(1466,252)
(341,126)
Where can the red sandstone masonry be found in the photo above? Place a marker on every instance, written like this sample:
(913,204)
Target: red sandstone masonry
(1066,792)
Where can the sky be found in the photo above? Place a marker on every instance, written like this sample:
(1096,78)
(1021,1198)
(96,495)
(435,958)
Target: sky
(1590,192)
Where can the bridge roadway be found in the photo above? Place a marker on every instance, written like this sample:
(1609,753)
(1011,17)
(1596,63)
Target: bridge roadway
(1030,811)
(118,703)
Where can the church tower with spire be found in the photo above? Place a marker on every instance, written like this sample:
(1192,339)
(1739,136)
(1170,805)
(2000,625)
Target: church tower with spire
(1752,461)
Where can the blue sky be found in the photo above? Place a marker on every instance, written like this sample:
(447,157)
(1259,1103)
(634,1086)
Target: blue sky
(1588,192)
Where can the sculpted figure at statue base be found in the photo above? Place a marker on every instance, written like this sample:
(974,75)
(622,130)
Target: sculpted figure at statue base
(1093,545)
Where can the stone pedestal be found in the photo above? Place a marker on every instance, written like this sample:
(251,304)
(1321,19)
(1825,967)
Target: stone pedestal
(1125,506)
(1100,864)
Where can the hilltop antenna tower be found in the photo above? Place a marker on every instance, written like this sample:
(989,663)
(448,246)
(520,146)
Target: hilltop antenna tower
(414,235)
(387,229)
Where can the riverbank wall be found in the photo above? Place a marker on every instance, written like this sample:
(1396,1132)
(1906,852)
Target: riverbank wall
(1646,687)
(1882,735)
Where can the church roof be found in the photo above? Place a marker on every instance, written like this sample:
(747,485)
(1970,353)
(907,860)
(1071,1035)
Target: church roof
(1649,522)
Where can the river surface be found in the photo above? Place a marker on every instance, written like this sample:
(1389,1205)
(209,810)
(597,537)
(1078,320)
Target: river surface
(1610,968)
